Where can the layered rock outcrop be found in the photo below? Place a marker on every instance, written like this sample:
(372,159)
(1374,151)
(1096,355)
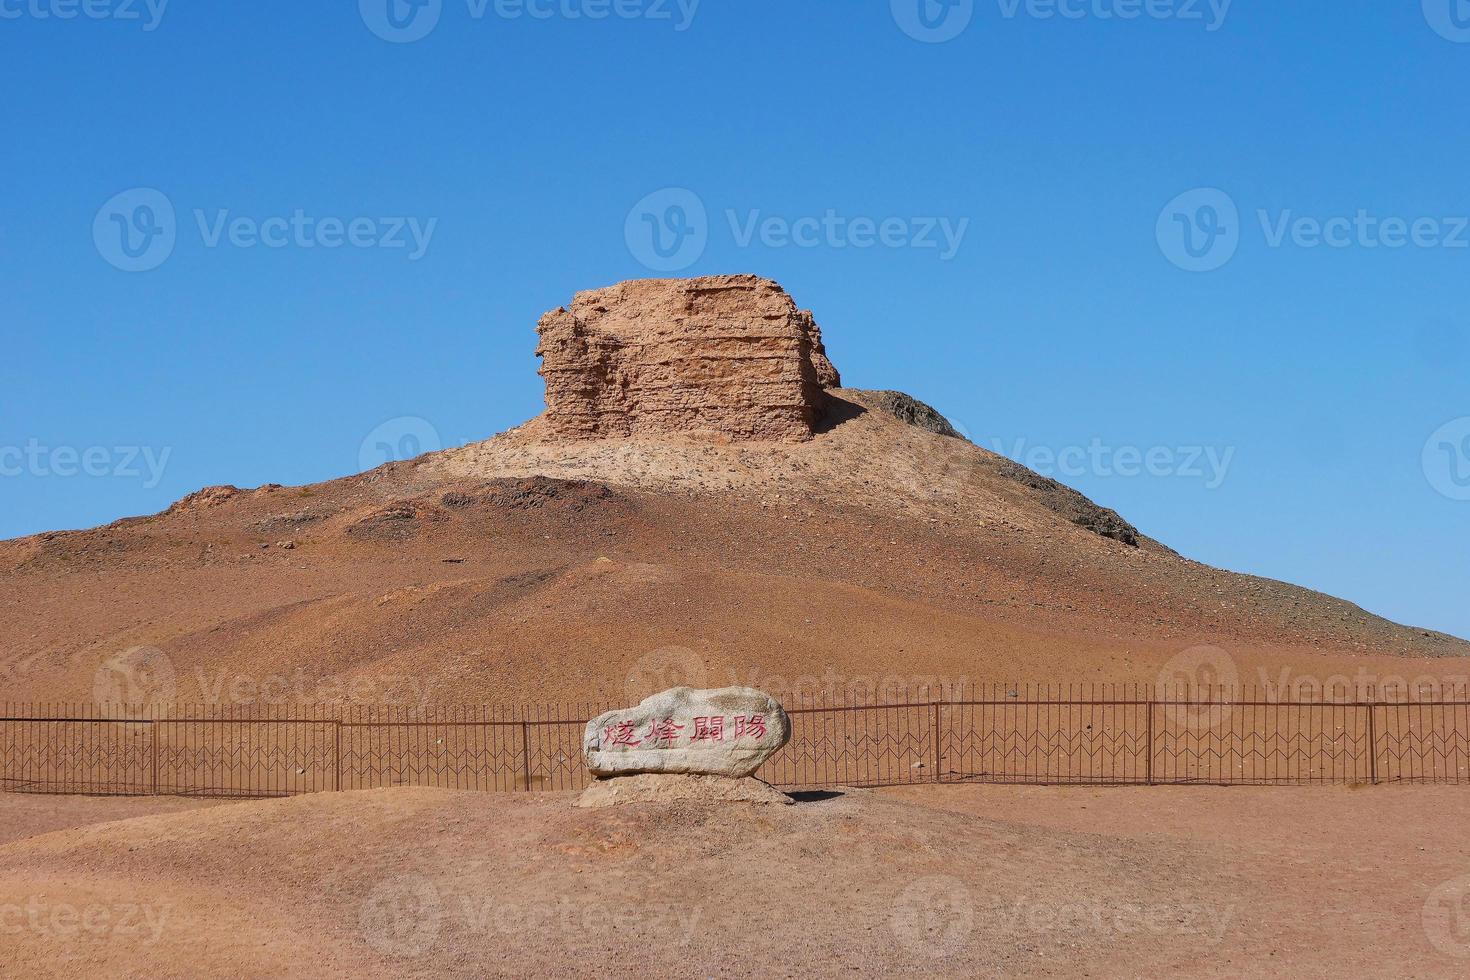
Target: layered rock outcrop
(729,356)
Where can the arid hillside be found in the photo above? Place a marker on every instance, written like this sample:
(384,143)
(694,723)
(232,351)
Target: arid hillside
(882,551)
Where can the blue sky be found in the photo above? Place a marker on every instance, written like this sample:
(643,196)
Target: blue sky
(1136,236)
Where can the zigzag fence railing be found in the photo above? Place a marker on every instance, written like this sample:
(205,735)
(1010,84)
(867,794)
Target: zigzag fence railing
(1096,735)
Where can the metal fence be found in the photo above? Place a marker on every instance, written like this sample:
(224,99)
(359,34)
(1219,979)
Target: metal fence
(1097,734)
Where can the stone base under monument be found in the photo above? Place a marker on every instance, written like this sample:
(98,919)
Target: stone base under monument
(679,787)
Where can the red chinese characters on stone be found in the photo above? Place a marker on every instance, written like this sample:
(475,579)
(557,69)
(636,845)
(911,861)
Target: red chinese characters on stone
(709,729)
(754,726)
(664,731)
(621,734)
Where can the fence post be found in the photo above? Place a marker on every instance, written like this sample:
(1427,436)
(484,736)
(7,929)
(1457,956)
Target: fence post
(1372,745)
(338,754)
(1150,740)
(153,745)
(938,774)
(526,751)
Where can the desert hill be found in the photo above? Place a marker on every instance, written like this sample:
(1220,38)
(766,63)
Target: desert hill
(702,501)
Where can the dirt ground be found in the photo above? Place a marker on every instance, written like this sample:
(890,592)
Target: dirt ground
(23,816)
(945,881)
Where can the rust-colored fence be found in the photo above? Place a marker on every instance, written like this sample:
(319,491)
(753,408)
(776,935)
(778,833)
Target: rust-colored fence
(1099,734)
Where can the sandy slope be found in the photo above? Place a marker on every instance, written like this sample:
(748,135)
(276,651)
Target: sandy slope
(954,881)
(531,569)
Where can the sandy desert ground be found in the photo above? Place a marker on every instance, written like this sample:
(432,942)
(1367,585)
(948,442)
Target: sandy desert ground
(943,881)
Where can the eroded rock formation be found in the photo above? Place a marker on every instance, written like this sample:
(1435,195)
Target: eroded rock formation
(723,355)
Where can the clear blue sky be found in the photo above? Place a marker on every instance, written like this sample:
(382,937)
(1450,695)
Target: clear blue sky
(1066,317)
